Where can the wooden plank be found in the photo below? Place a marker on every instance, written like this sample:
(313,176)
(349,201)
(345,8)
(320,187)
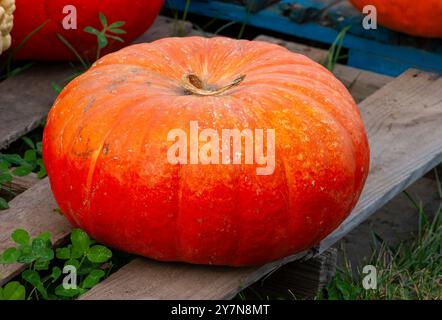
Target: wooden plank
(359,82)
(144,279)
(27,97)
(403,121)
(300,279)
(18,185)
(164,27)
(407,110)
(34,211)
(316,54)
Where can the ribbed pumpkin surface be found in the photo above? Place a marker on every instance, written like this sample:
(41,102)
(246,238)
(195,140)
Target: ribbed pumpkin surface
(105,150)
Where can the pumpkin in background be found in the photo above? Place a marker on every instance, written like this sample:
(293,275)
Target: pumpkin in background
(7,8)
(105,150)
(417,18)
(45,45)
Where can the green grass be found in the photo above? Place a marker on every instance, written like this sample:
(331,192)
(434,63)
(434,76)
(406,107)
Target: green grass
(411,270)
(334,52)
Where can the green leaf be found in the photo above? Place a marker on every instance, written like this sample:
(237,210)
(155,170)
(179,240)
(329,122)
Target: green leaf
(63,253)
(56,87)
(42,172)
(92,31)
(117,24)
(67,293)
(45,236)
(39,147)
(33,278)
(80,241)
(41,265)
(10,256)
(13,159)
(13,291)
(3,204)
(21,171)
(30,156)
(344,288)
(56,273)
(5,177)
(117,31)
(102,40)
(99,254)
(20,236)
(41,250)
(92,278)
(72,262)
(26,254)
(4,165)
(115,38)
(29,142)
(103,19)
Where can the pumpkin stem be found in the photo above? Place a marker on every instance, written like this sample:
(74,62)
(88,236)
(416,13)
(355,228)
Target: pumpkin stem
(194,85)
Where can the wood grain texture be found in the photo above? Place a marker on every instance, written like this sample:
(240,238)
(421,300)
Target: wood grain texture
(359,82)
(301,279)
(403,121)
(409,108)
(26,98)
(18,185)
(164,27)
(145,279)
(33,211)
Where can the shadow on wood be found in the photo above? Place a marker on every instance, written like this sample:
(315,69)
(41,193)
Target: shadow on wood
(298,279)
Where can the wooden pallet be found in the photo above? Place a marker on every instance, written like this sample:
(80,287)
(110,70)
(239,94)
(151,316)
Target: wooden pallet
(382,50)
(397,113)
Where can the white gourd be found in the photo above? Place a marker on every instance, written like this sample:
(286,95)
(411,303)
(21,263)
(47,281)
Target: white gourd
(7,8)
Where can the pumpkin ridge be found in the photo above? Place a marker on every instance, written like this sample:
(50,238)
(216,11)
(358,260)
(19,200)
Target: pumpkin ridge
(222,214)
(335,115)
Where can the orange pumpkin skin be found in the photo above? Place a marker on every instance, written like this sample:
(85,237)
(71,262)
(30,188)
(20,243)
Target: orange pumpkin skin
(417,18)
(138,16)
(105,150)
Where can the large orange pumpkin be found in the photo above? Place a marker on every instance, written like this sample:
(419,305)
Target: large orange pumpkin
(106,145)
(44,44)
(418,18)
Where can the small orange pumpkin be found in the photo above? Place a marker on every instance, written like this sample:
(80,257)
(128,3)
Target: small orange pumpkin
(418,18)
(106,145)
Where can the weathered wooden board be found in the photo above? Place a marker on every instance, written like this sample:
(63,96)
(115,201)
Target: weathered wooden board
(18,185)
(359,82)
(166,27)
(26,98)
(144,279)
(34,211)
(299,279)
(403,121)
(407,111)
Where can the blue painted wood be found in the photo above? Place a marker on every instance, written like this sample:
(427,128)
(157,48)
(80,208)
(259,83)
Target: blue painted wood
(381,51)
(252,5)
